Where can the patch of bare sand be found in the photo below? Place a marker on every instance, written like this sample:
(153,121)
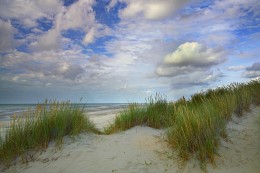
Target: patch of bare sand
(241,153)
(103,120)
(143,149)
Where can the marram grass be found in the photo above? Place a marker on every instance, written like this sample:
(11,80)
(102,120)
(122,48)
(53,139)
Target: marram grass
(34,130)
(156,113)
(193,127)
(201,121)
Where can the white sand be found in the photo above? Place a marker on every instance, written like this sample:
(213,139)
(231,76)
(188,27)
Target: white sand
(143,149)
(102,118)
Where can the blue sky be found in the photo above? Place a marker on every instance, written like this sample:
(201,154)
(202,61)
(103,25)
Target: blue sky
(124,50)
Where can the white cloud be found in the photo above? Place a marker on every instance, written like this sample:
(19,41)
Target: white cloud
(236,68)
(111,4)
(169,71)
(44,67)
(27,12)
(195,55)
(50,40)
(214,24)
(7,31)
(78,15)
(90,36)
(49,6)
(191,64)
(151,9)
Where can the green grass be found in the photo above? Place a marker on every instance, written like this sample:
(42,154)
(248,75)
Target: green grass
(201,122)
(130,117)
(194,127)
(156,113)
(34,130)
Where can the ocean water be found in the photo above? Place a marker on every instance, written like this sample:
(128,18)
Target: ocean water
(91,109)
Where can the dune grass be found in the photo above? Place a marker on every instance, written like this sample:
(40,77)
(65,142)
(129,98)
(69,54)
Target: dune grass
(201,122)
(35,129)
(194,127)
(156,113)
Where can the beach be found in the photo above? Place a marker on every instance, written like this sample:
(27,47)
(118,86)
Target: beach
(144,149)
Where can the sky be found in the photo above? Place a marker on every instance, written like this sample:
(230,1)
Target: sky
(120,51)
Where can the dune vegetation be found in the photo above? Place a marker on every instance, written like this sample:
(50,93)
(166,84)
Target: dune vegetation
(33,131)
(195,126)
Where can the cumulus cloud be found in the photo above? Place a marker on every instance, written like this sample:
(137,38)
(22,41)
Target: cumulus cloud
(195,54)
(50,40)
(27,12)
(151,9)
(191,64)
(44,67)
(78,16)
(7,31)
(252,71)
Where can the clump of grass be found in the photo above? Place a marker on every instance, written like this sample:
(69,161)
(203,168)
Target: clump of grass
(197,128)
(156,113)
(33,131)
(194,126)
(133,115)
(200,122)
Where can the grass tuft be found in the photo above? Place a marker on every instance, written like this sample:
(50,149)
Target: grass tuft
(201,121)
(156,113)
(34,130)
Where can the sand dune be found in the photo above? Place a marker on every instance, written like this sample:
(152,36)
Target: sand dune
(143,149)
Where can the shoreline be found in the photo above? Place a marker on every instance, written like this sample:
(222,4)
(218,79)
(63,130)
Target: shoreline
(143,149)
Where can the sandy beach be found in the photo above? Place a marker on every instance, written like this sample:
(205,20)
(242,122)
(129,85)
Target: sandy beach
(143,149)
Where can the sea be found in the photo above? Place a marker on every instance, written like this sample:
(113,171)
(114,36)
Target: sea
(92,109)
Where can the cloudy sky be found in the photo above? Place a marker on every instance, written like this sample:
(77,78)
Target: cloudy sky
(124,50)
